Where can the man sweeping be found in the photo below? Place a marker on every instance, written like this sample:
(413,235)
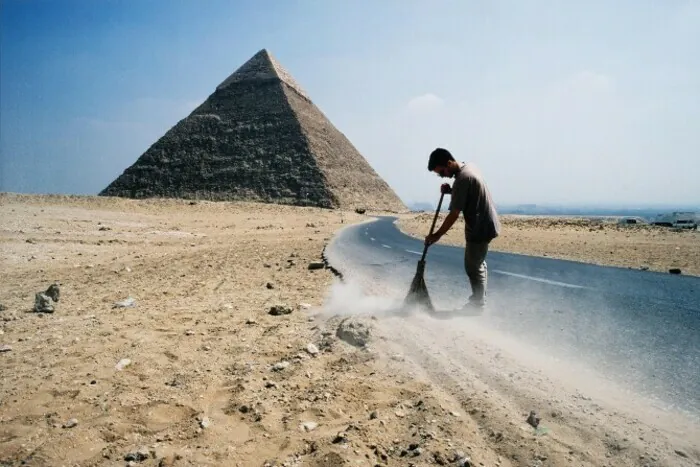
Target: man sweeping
(471,197)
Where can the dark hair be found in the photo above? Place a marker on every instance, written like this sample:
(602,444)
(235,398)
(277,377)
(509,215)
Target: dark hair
(439,156)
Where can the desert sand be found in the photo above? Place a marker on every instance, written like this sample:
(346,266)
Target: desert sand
(599,241)
(196,371)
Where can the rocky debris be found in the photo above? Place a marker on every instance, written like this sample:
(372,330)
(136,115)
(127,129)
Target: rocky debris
(280,366)
(533,420)
(354,331)
(123,363)
(312,349)
(54,292)
(270,285)
(43,303)
(674,271)
(5,348)
(127,303)
(309,426)
(279,310)
(73,422)
(138,456)
(316,265)
(205,422)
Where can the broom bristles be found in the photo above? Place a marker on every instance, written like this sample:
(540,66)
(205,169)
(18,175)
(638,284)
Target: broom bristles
(418,291)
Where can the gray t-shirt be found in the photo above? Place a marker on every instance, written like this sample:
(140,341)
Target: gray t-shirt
(471,196)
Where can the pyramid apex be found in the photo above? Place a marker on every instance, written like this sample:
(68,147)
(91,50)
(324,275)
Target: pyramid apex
(262,66)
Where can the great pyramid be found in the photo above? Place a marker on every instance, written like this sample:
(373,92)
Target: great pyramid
(258,137)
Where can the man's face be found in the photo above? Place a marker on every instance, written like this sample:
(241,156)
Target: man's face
(442,171)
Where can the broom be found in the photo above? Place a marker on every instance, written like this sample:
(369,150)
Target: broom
(418,292)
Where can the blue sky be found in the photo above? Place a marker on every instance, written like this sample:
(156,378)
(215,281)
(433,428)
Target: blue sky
(556,102)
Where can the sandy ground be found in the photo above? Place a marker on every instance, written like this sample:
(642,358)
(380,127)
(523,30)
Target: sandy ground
(593,241)
(203,384)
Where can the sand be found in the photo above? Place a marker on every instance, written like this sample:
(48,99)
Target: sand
(603,241)
(201,387)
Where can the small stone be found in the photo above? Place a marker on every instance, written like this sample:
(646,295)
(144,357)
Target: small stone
(138,456)
(270,285)
(279,366)
(309,426)
(5,348)
(205,422)
(316,265)
(73,422)
(54,292)
(127,303)
(373,415)
(312,349)
(189,332)
(270,384)
(674,271)
(43,303)
(279,310)
(455,414)
(681,453)
(533,420)
(250,321)
(123,363)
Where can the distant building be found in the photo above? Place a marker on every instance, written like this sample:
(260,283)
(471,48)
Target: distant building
(679,219)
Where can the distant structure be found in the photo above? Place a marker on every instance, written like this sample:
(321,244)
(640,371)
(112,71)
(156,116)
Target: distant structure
(258,137)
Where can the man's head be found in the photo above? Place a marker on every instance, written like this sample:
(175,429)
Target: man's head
(442,163)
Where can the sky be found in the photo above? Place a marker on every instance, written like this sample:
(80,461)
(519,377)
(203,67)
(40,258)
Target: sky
(592,102)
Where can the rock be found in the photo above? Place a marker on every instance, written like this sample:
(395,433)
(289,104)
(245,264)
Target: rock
(73,422)
(279,366)
(353,331)
(681,453)
(316,265)
(54,292)
(341,437)
(312,349)
(533,420)
(373,415)
(360,210)
(43,303)
(674,271)
(250,321)
(2,307)
(279,310)
(129,302)
(270,285)
(309,426)
(205,422)
(5,348)
(138,456)
(123,363)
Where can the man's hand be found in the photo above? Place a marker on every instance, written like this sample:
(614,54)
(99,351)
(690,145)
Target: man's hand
(445,188)
(432,238)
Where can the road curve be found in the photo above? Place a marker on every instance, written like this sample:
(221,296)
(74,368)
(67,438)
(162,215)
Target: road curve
(639,329)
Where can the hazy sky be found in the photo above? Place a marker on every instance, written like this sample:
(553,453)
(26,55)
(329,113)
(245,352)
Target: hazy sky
(555,101)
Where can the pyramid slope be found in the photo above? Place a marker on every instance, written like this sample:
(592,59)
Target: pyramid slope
(257,137)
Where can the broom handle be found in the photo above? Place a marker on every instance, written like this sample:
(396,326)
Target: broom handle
(437,211)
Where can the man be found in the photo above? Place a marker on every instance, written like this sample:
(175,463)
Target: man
(471,197)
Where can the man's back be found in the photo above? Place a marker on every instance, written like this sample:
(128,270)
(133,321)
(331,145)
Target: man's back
(471,195)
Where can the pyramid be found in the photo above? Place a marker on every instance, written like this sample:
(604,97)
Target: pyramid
(257,137)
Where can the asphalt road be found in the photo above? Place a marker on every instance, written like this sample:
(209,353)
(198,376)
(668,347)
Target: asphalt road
(639,328)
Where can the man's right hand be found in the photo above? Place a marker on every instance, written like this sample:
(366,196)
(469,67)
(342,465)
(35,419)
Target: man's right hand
(445,188)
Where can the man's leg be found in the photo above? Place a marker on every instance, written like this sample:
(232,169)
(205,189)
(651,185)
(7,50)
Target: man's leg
(475,266)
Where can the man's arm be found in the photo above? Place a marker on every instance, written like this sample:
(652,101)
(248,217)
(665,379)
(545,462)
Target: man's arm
(448,222)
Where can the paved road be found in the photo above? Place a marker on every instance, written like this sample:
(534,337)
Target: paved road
(640,328)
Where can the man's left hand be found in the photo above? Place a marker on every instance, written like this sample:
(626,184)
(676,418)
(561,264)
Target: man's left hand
(432,238)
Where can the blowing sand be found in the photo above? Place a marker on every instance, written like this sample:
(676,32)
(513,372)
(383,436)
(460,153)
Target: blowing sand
(199,373)
(601,242)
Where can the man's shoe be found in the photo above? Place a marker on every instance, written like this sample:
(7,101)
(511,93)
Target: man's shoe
(473,306)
